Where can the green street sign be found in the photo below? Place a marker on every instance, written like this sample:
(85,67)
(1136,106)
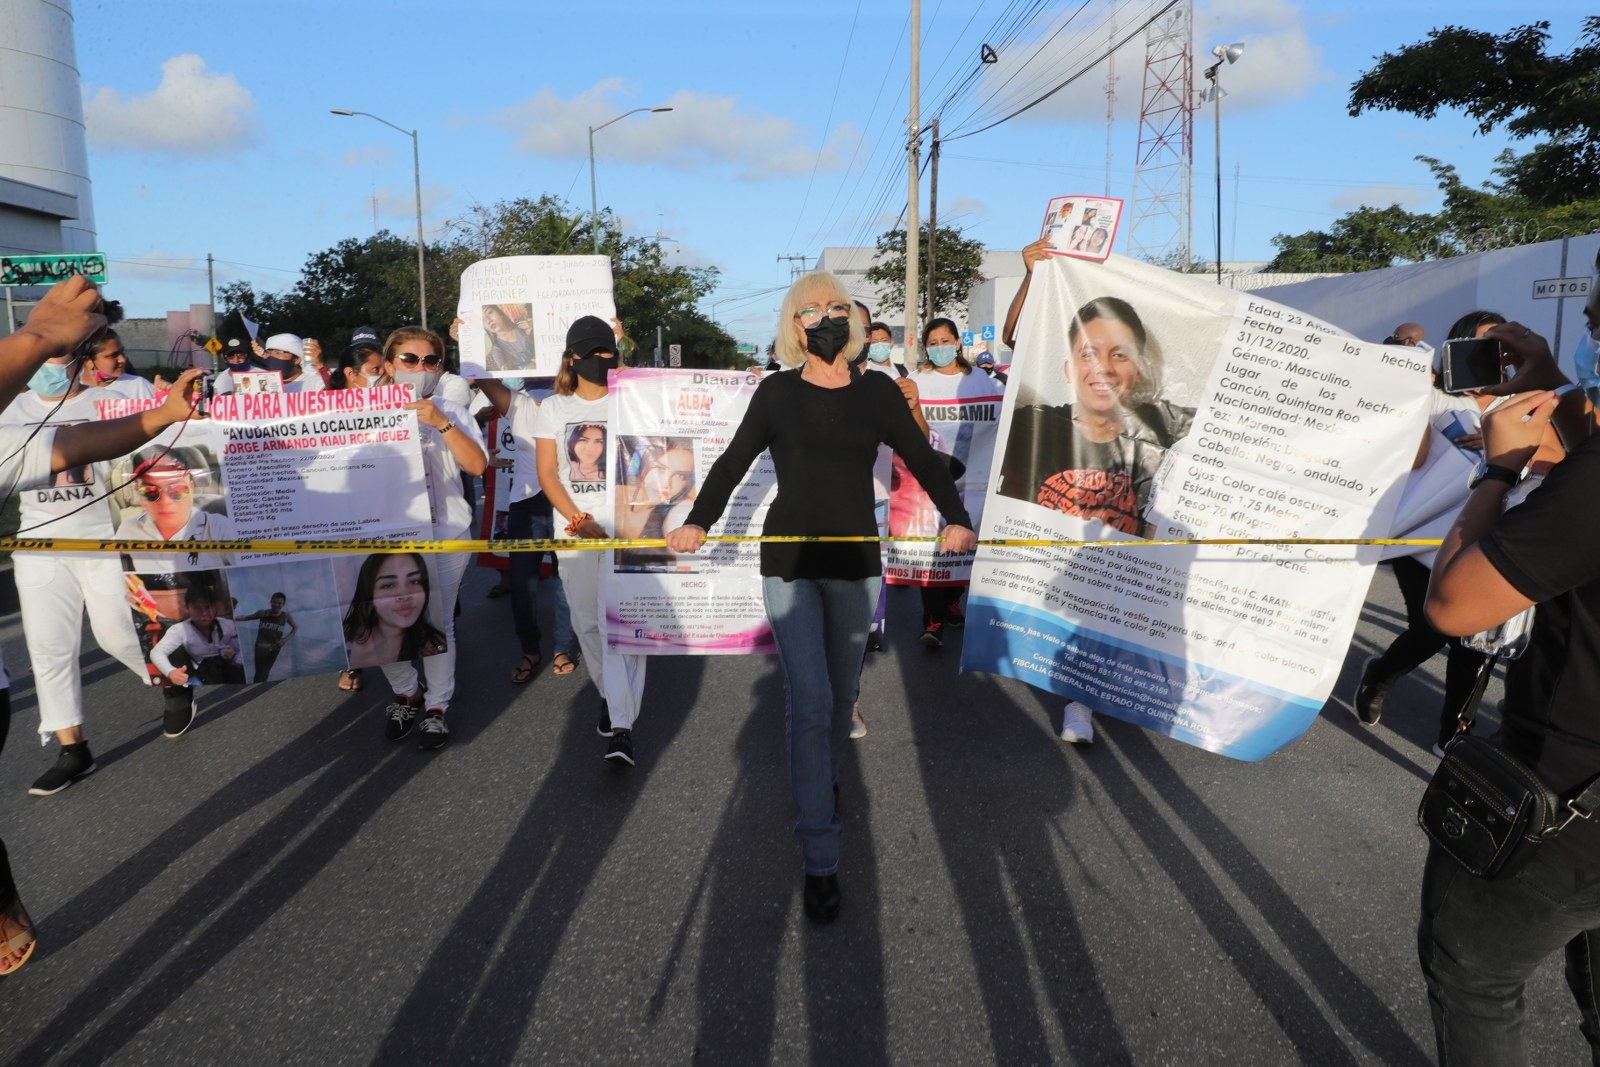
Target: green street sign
(47,270)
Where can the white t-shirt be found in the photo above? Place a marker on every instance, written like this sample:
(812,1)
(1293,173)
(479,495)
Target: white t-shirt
(454,388)
(564,420)
(58,509)
(523,418)
(447,499)
(131,386)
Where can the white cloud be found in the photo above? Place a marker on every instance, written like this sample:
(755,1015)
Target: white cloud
(402,202)
(193,111)
(701,131)
(959,209)
(1281,62)
(1410,197)
(367,155)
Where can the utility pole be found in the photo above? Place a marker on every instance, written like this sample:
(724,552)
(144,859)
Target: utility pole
(933,219)
(914,134)
(794,272)
(211,291)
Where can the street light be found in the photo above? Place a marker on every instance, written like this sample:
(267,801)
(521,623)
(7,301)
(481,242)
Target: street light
(416,174)
(1225,54)
(594,199)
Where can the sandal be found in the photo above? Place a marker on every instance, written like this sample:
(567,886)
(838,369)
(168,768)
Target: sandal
(525,668)
(563,664)
(350,681)
(16,937)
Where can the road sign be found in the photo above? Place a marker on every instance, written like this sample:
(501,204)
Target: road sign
(1558,288)
(47,270)
(214,346)
(966,338)
(988,333)
(675,355)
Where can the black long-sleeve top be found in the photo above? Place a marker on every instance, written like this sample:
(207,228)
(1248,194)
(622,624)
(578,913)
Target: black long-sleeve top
(823,444)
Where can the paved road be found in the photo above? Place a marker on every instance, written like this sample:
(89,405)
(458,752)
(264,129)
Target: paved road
(283,886)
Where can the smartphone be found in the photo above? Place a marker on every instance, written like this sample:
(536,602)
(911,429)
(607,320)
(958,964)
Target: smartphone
(1471,363)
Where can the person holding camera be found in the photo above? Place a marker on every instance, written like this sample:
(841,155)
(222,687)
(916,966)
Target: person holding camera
(1480,939)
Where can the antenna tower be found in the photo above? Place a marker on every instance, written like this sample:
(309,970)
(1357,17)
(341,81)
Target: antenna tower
(1161,224)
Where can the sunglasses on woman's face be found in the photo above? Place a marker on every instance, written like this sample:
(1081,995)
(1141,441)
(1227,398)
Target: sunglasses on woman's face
(409,359)
(153,493)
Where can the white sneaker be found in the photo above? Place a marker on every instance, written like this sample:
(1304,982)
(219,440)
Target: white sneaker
(1077,724)
(858,725)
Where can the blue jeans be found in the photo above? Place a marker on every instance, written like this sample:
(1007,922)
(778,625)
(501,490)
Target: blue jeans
(528,519)
(821,628)
(1479,941)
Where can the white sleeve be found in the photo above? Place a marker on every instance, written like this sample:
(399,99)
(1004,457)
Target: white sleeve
(170,642)
(25,463)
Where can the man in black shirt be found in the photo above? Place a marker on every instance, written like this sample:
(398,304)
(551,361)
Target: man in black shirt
(1478,941)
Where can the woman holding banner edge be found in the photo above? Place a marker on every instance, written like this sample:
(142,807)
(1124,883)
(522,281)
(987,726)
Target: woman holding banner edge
(823,424)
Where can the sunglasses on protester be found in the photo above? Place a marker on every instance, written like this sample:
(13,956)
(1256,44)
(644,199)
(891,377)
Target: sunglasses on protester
(153,493)
(409,359)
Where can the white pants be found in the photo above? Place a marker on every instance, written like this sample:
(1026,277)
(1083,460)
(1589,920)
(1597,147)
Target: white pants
(440,670)
(54,593)
(618,677)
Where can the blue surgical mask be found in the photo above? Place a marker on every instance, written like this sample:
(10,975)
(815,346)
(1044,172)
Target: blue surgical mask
(878,351)
(1584,358)
(52,379)
(943,355)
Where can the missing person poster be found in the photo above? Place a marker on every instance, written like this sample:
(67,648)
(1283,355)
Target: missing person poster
(1149,404)
(962,409)
(515,311)
(668,427)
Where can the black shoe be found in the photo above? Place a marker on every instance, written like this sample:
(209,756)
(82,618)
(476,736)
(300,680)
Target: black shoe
(177,712)
(954,617)
(603,727)
(402,715)
(874,640)
(75,762)
(1369,694)
(822,897)
(620,751)
(434,733)
(932,635)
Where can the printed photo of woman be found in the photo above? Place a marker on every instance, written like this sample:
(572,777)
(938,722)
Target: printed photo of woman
(387,621)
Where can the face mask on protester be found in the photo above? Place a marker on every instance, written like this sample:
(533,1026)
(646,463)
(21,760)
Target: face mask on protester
(595,366)
(878,351)
(284,365)
(422,382)
(52,379)
(943,355)
(828,337)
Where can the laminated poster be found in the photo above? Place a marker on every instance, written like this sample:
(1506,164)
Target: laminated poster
(515,312)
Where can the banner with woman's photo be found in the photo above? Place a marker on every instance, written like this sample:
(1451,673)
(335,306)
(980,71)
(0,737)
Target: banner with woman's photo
(668,427)
(962,410)
(515,311)
(306,466)
(1144,403)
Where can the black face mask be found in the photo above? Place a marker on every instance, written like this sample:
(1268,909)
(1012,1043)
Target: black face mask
(594,367)
(827,337)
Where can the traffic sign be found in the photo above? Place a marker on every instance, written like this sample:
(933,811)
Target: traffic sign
(675,355)
(47,270)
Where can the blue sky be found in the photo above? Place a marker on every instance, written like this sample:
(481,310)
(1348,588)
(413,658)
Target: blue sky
(209,126)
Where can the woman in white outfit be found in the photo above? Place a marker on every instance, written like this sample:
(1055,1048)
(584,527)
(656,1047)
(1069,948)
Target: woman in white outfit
(451,443)
(572,447)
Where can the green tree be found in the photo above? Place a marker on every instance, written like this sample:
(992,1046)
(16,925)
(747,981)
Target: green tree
(1509,81)
(958,267)
(1367,238)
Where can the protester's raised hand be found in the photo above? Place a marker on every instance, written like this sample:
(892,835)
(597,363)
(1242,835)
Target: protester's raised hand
(954,540)
(180,400)
(455,328)
(1035,253)
(1529,357)
(1513,429)
(313,349)
(67,315)
(687,539)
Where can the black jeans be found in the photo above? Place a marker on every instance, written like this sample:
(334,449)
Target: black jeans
(1417,644)
(8,887)
(1479,941)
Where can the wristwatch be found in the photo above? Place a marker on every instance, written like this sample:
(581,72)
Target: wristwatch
(1493,472)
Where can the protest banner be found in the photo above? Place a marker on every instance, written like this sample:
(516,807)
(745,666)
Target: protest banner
(668,427)
(1147,403)
(515,311)
(962,411)
(322,465)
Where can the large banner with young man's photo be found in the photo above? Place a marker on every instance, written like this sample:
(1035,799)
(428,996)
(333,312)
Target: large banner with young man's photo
(328,465)
(1147,404)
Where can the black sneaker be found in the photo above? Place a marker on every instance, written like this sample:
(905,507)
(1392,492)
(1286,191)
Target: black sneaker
(932,635)
(1369,694)
(74,762)
(620,750)
(603,727)
(874,640)
(434,733)
(822,897)
(402,716)
(177,711)
(954,617)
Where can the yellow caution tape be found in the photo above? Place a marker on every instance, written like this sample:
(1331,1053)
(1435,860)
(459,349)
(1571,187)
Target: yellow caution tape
(367,545)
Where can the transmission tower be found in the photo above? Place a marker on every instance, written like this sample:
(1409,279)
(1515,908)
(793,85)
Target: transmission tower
(1163,175)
